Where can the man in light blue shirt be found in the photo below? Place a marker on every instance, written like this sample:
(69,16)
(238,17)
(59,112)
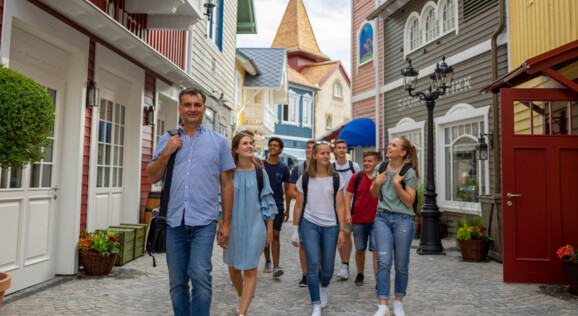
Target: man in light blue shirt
(203,164)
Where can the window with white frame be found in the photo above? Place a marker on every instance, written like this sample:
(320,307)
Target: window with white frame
(431,26)
(110,151)
(290,113)
(448,12)
(434,21)
(414,132)
(465,178)
(337,90)
(307,105)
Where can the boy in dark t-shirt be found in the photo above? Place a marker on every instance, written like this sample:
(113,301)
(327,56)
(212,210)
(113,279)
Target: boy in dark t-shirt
(361,214)
(278,173)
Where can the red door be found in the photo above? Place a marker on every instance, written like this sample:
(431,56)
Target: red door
(540,181)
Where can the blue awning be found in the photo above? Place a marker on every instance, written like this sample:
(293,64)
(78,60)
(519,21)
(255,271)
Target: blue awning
(359,132)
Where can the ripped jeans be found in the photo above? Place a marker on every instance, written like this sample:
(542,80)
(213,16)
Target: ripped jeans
(392,235)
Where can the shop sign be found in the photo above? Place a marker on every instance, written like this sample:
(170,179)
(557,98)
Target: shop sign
(458,86)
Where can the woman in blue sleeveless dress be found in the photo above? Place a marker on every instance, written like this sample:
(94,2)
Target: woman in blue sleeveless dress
(251,221)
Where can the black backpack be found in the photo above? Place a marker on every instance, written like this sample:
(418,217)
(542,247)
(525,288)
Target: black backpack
(344,170)
(356,182)
(403,171)
(305,185)
(156,232)
(259,174)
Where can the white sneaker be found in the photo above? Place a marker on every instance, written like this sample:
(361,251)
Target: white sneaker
(398,308)
(268,267)
(382,310)
(316,310)
(277,272)
(323,295)
(344,272)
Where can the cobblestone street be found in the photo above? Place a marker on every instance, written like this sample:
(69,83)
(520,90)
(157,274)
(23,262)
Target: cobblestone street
(439,285)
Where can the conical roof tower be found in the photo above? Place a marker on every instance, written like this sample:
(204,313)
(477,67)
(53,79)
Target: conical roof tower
(296,34)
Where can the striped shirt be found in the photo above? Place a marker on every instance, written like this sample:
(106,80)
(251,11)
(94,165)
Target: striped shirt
(196,177)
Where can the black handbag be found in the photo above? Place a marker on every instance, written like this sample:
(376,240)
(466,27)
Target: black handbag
(157,229)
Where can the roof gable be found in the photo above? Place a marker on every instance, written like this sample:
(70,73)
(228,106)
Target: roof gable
(318,73)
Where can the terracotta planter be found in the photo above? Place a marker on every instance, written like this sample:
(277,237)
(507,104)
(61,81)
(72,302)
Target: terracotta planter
(96,264)
(571,271)
(5,281)
(474,250)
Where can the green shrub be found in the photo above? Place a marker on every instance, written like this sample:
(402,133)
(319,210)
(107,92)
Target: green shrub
(26,119)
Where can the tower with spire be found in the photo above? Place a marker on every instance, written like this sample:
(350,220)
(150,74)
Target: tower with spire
(313,71)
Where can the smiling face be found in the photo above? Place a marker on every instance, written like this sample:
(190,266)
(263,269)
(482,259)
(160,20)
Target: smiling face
(274,148)
(309,149)
(369,163)
(192,109)
(245,147)
(340,151)
(394,149)
(322,154)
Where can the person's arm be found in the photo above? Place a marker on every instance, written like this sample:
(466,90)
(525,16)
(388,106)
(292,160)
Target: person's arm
(339,200)
(297,215)
(348,198)
(406,196)
(287,202)
(227,198)
(378,181)
(156,170)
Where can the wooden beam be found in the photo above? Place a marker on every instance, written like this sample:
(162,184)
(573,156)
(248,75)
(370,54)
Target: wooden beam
(561,79)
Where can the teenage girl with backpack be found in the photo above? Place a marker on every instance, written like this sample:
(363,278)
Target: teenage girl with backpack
(319,218)
(394,227)
(251,220)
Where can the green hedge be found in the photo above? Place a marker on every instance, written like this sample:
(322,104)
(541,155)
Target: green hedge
(26,119)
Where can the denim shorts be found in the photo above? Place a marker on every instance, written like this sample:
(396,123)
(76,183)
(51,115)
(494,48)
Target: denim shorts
(361,235)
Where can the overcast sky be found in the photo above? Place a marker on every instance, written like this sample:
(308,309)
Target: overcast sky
(330,19)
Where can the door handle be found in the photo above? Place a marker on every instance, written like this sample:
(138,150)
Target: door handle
(510,195)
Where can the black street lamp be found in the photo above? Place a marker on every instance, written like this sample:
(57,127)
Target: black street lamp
(440,80)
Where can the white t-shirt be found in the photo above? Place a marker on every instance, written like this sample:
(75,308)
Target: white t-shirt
(345,172)
(319,209)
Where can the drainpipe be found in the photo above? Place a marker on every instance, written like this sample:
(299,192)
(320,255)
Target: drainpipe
(495,100)
(376,63)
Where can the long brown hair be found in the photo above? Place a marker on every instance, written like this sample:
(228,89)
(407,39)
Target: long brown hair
(411,155)
(312,167)
(235,144)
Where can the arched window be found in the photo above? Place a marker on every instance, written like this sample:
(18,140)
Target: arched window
(337,90)
(365,45)
(414,35)
(328,123)
(448,16)
(431,26)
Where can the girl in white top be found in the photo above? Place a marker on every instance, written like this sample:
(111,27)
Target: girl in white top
(320,222)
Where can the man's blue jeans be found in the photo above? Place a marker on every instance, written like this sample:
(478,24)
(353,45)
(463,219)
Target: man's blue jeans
(318,240)
(189,251)
(393,233)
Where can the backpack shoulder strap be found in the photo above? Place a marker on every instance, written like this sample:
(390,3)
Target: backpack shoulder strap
(335,191)
(168,179)
(304,186)
(383,166)
(173,132)
(334,166)
(351,167)
(356,182)
(259,174)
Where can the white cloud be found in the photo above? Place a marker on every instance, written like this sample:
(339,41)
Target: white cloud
(330,19)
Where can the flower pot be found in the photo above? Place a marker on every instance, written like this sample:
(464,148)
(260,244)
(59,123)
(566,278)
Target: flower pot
(5,281)
(96,264)
(474,250)
(571,271)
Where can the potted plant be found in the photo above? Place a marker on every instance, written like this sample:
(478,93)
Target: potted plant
(569,258)
(420,201)
(474,241)
(98,251)
(5,281)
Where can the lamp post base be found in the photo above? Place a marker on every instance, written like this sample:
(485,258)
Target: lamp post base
(430,241)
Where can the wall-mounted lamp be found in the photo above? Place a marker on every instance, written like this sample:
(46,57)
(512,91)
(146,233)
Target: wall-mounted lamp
(151,116)
(209,5)
(482,147)
(92,94)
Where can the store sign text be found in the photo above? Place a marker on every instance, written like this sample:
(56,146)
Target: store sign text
(458,86)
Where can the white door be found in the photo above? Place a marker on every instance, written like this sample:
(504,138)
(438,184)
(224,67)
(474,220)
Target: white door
(110,161)
(28,205)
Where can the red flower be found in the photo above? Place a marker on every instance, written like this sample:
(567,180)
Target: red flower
(81,235)
(113,239)
(483,229)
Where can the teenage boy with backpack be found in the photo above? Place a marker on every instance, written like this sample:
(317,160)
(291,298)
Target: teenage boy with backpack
(278,173)
(361,212)
(346,168)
